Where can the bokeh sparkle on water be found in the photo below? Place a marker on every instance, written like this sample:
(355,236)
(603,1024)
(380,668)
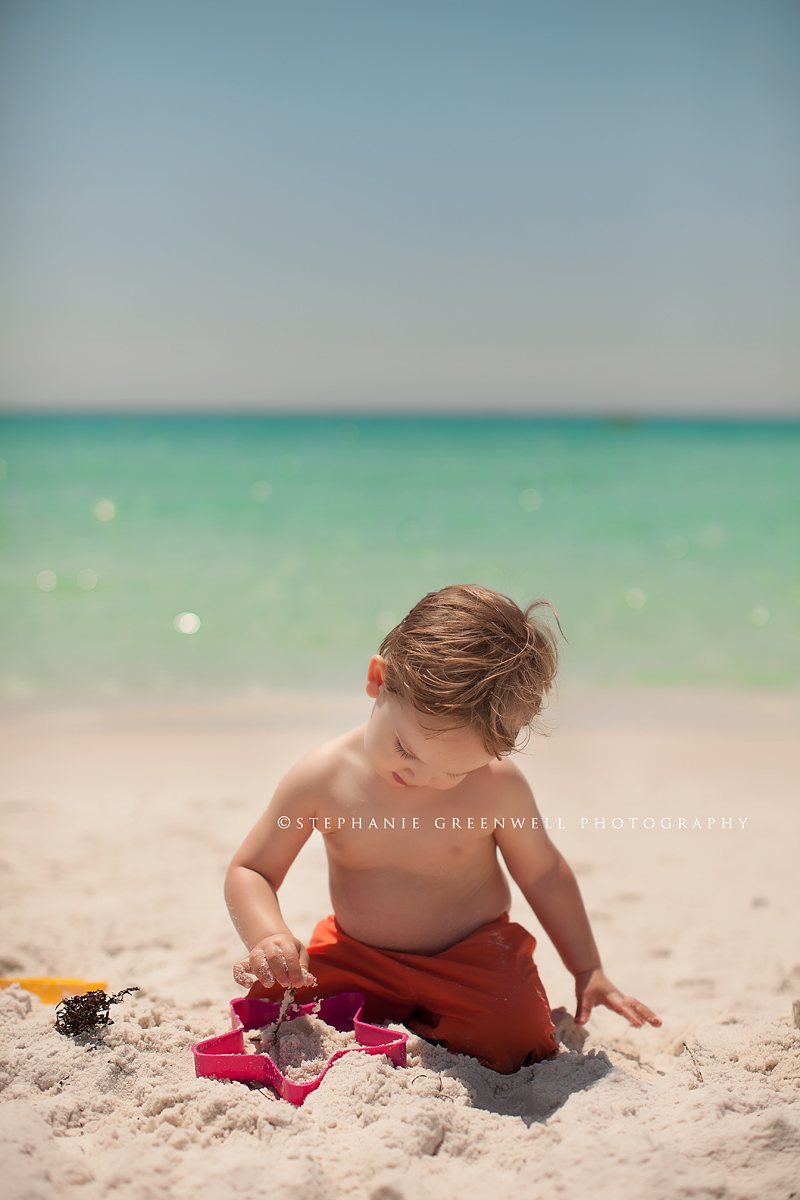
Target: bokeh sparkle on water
(670,549)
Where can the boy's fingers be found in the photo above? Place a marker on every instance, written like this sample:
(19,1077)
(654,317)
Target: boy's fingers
(276,965)
(243,975)
(641,1012)
(623,1005)
(295,962)
(295,975)
(260,964)
(649,1017)
(299,977)
(275,962)
(584,1011)
(309,979)
(285,966)
(633,1010)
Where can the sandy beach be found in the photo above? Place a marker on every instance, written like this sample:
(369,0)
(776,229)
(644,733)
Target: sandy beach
(678,812)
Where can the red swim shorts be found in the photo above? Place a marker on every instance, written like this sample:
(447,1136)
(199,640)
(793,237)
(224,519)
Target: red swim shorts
(481,997)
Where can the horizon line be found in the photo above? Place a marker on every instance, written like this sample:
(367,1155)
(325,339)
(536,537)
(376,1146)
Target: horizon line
(619,416)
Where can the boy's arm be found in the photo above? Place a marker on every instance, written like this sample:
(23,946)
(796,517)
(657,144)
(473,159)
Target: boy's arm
(257,870)
(550,887)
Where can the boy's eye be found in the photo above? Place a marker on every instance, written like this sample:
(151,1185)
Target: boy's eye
(401,750)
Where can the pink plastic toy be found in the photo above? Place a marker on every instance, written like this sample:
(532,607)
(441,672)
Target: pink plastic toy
(225,1056)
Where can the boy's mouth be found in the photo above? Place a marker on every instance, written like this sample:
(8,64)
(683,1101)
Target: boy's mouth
(397,779)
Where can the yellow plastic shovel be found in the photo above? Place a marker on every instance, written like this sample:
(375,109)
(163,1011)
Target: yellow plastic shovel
(50,989)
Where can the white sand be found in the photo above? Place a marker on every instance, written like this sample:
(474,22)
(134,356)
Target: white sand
(305,1046)
(117,828)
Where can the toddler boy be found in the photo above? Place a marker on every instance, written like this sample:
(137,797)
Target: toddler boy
(413,807)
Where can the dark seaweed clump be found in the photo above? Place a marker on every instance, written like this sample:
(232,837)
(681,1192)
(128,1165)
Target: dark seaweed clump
(84,1014)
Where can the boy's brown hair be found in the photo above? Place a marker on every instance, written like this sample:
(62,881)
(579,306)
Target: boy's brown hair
(471,654)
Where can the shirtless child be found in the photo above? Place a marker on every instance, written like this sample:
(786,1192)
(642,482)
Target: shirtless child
(413,807)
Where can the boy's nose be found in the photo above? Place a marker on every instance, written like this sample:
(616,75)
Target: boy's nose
(417,778)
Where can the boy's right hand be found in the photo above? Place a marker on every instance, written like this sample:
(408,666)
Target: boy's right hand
(280,958)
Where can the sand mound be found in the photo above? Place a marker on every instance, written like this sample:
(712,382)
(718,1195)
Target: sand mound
(304,1047)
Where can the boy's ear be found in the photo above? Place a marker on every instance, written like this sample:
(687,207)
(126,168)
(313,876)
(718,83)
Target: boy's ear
(376,675)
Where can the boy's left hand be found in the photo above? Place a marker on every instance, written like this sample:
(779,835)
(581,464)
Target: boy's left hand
(593,987)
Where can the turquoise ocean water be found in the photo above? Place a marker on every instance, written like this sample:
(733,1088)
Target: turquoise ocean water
(670,549)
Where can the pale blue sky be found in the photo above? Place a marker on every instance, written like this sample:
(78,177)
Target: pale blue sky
(426,205)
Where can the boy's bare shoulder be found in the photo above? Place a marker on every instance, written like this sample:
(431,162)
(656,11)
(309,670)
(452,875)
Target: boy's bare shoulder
(316,771)
(507,784)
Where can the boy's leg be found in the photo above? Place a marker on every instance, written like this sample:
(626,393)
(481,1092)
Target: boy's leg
(484,998)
